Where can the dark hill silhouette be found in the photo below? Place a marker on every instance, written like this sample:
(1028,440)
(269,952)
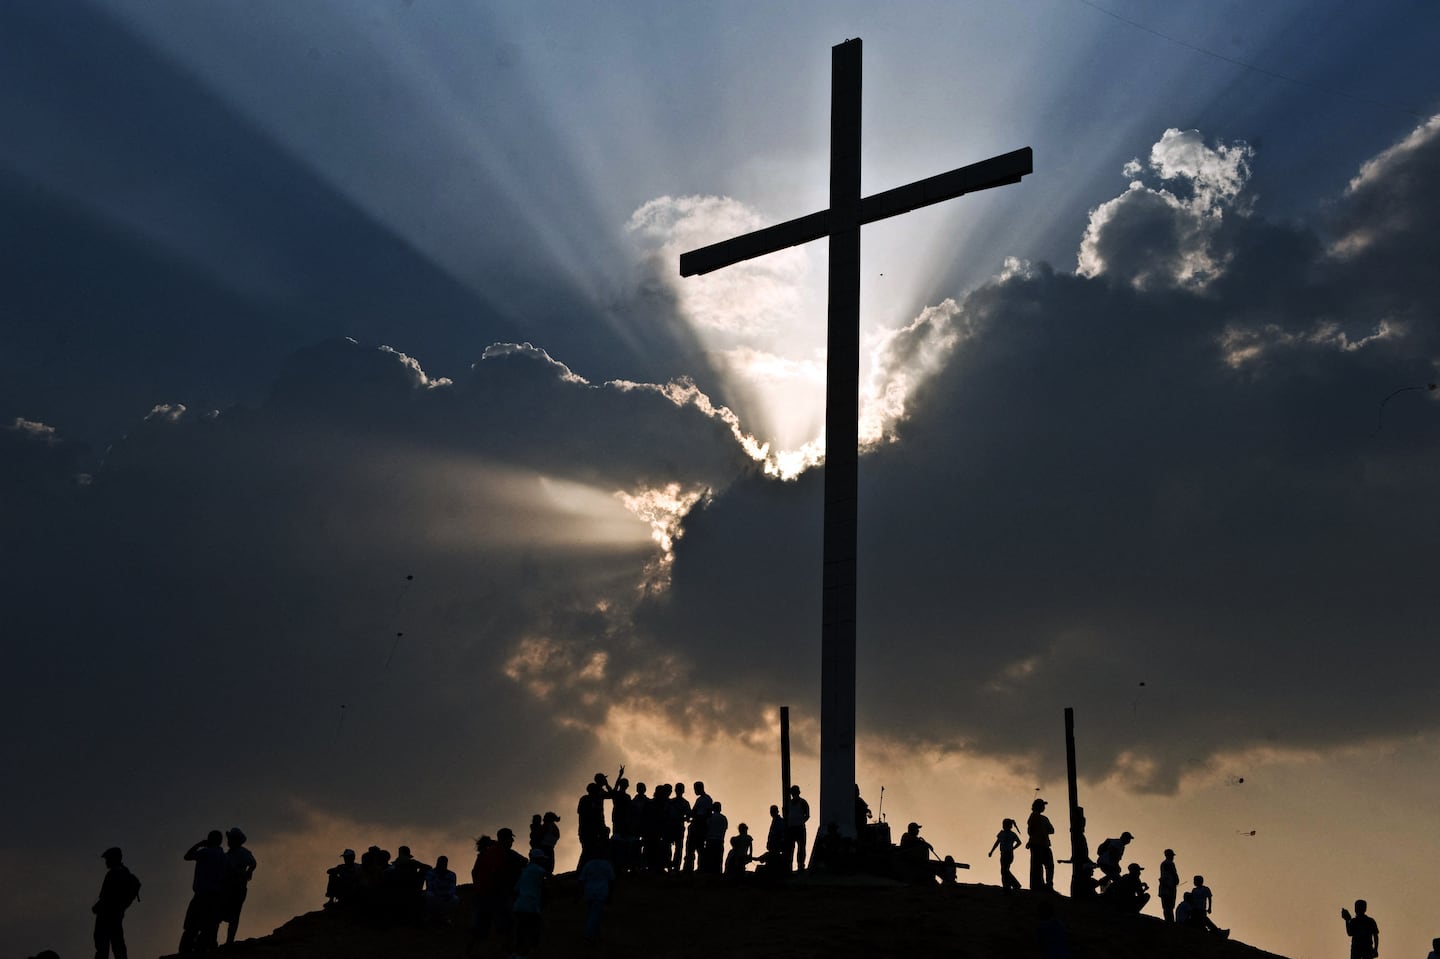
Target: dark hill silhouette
(702,917)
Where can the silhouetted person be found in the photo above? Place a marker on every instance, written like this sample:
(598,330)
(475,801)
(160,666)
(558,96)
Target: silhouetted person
(529,897)
(239,867)
(712,855)
(404,886)
(623,831)
(1042,859)
(1108,857)
(537,829)
(677,813)
(742,851)
(497,867)
(440,893)
(797,814)
(700,811)
(640,815)
(1192,911)
(118,890)
(1169,885)
(342,882)
(863,814)
(549,837)
(590,812)
(202,916)
(1434,949)
(1007,840)
(657,817)
(596,879)
(1363,932)
(1128,893)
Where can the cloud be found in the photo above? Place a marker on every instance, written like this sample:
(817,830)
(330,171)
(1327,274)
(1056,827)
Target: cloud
(1169,235)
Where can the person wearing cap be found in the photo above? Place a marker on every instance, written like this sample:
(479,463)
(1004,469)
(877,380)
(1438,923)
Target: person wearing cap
(117,891)
(1038,831)
(343,880)
(1108,857)
(915,855)
(239,867)
(1169,884)
(1127,893)
(496,869)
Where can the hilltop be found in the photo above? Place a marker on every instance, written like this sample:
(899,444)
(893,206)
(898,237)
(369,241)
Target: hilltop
(703,917)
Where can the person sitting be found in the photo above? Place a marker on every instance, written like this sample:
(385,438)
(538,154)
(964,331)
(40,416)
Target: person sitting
(1128,893)
(742,851)
(915,854)
(343,881)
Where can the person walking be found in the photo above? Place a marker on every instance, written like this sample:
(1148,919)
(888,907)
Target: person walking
(117,891)
(1007,841)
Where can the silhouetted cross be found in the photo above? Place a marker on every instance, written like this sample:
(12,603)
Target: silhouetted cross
(841,223)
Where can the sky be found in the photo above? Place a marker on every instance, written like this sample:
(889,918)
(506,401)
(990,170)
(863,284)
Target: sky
(368,474)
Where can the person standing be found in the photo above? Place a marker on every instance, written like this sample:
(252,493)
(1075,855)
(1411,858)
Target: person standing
(797,814)
(202,916)
(1363,932)
(1038,831)
(597,877)
(1169,885)
(239,867)
(712,854)
(529,896)
(117,891)
(1007,841)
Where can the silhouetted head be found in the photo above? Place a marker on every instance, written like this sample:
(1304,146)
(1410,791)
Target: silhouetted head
(774,810)
(1360,906)
(348,855)
(794,790)
(506,837)
(112,856)
(639,789)
(442,863)
(1199,880)
(236,835)
(622,784)
(1126,837)
(1134,868)
(1008,824)
(601,779)
(699,787)
(1169,854)
(215,838)
(716,807)
(743,828)
(551,817)
(593,789)
(481,843)
(679,789)
(913,829)
(1037,805)
(404,853)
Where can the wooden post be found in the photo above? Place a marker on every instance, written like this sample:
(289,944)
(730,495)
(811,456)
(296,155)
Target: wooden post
(785,761)
(1081,872)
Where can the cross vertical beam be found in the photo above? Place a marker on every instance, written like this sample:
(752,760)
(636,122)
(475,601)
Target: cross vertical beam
(842,416)
(841,223)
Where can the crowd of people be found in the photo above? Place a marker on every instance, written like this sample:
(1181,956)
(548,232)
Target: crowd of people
(661,832)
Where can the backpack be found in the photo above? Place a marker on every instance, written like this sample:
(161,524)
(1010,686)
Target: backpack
(129,889)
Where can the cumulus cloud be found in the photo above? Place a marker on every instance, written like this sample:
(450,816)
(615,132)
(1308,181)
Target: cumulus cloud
(1168,235)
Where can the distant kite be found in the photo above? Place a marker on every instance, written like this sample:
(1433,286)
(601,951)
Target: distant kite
(1380,413)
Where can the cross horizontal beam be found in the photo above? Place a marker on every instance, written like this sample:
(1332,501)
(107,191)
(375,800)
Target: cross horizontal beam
(996,171)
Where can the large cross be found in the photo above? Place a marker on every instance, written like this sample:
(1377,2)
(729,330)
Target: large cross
(841,223)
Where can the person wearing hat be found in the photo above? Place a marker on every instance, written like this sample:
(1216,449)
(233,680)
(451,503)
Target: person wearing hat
(343,880)
(497,867)
(239,867)
(1108,857)
(117,891)
(915,855)
(1038,831)
(1127,893)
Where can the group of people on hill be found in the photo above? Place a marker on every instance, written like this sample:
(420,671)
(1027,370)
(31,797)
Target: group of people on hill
(400,890)
(663,832)
(666,832)
(220,884)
